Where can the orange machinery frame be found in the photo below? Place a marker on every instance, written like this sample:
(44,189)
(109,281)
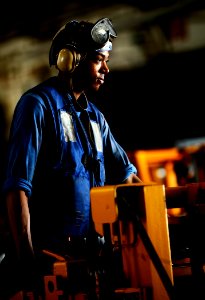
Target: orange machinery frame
(148,202)
(147,161)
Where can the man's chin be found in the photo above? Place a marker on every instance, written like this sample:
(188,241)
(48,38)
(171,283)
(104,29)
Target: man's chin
(96,87)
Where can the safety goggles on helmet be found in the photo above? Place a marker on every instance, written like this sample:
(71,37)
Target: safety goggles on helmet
(103,31)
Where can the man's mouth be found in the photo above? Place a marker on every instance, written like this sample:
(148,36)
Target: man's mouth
(100,80)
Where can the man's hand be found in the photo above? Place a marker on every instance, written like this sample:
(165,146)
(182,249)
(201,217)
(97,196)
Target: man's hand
(133,178)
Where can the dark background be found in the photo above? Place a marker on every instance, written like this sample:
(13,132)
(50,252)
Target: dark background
(158,104)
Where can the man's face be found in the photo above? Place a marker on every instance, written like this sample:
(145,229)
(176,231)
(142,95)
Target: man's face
(98,68)
(91,73)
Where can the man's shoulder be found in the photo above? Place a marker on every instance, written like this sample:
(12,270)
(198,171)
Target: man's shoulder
(47,85)
(47,92)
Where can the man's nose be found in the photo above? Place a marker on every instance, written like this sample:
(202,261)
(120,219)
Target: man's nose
(105,68)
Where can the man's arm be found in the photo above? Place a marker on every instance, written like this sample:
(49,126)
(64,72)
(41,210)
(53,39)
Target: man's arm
(19,221)
(26,268)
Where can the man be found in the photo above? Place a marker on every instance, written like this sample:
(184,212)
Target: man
(60,147)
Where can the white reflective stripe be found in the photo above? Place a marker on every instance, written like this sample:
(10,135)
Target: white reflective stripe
(68,128)
(97,136)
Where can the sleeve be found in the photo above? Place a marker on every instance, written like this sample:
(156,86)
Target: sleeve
(117,164)
(24,143)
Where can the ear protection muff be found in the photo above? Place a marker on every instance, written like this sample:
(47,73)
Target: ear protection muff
(68,60)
